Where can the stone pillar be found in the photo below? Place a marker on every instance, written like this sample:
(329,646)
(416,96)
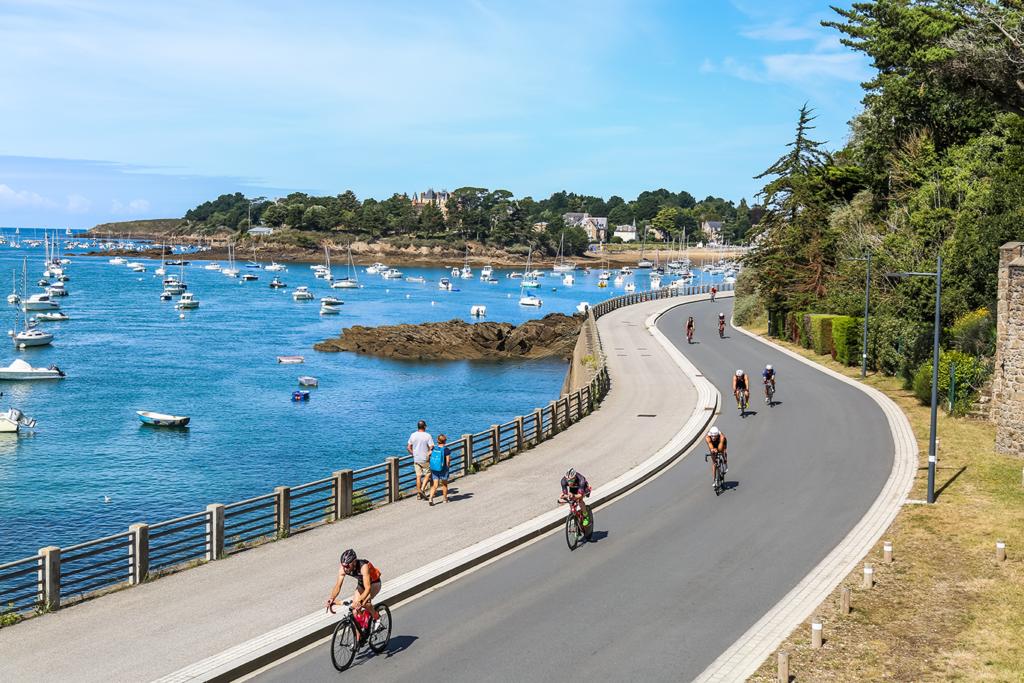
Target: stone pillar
(342,494)
(216,548)
(140,552)
(1008,380)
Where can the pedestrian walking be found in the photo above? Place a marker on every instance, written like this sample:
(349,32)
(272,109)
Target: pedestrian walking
(420,446)
(440,461)
(714,290)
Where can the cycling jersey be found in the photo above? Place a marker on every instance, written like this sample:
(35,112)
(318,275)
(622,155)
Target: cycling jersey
(715,440)
(741,382)
(768,375)
(357,572)
(580,483)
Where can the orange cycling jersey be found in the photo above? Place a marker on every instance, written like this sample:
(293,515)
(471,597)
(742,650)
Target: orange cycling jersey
(357,572)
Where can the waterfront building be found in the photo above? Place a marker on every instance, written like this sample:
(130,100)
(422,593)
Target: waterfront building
(430,196)
(713,230)
(595,227)
(627,232)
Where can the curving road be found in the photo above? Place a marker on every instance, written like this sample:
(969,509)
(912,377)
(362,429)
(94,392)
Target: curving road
(676,575)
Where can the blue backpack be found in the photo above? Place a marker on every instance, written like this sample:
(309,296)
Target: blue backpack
(437,457)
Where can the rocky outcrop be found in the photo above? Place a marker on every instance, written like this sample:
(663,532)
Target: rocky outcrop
(553,335)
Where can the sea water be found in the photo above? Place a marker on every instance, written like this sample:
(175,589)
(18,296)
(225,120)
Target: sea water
(92,469)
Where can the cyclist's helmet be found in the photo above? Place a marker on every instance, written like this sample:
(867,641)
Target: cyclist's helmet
(714,431)
(768,367)
(721,316)
(348,557)
(739,373)
(570,474)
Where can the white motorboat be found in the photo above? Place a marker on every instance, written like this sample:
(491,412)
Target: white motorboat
(136,267)
(416,278)
(321,273)
(467,272)
(530,300)
(331,301)
(39,302)
(604,276)
(514,275)
(52,317)
(116,261)
(57,289)
(568,280)
(391,274)
(478,311)
(13,420)
(308,381)
(626,270)
(291,360)
(530,283)
(445,284)
(249,277)
(19,370)
(302,293)
(456,272)
(188,300)
(31,336)
(630,287)
(330,309)
(618,280)
(174,288)
(655,281)
(277,284)
(486,272)
(645,263)
(582,307)
(275,267)
(212,266)
(375,268)
(344,283)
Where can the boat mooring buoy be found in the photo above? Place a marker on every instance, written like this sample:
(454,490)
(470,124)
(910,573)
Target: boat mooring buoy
(181,316)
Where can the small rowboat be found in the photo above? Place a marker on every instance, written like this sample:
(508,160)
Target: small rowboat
(308,381)
(300,395)
(291,360)
(161,420)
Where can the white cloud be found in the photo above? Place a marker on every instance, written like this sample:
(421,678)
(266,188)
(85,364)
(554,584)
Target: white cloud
(78,204)
(135,206)
(19,199)
(812,68)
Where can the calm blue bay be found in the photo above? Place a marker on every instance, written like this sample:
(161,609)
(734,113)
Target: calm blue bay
(124,350)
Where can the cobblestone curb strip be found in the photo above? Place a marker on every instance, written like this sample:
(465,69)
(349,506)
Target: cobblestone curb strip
(259,652)
(744,656)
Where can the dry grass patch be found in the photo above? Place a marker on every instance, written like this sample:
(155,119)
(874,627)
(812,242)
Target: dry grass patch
(944,610)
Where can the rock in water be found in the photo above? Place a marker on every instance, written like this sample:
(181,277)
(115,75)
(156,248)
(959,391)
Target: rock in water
(553,335)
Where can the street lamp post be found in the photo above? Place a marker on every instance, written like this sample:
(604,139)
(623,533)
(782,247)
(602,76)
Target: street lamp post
(867,305)
(935,370)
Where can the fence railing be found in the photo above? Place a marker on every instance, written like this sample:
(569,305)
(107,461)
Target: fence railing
(58,576)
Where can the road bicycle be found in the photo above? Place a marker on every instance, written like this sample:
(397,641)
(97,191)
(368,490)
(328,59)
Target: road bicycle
(721,329)
(719,473)
(741,401)
(577,529)
(689,335)
(769,393)
(356,630)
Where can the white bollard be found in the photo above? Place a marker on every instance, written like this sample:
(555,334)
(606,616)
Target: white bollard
(887,552)
(1000,551)
(815,635)
(869,576)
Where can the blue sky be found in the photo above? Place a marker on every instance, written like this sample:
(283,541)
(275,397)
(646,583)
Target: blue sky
(119,110)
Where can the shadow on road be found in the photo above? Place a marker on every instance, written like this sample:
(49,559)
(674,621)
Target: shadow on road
(460,496)
(399,644)
(597,536)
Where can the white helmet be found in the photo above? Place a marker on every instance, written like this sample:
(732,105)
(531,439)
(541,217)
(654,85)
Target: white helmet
(768,367)
(739,373)
(713,431)
(721,315)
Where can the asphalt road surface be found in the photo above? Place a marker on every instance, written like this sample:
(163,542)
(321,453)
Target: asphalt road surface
(675,574)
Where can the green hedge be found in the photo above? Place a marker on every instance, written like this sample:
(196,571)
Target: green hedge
(970,372)
(847,339)
(820,328)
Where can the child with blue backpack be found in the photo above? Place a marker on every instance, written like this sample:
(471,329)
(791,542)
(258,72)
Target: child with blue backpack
(440,461)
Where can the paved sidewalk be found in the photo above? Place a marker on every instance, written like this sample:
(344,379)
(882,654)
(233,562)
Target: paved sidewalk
(159,627)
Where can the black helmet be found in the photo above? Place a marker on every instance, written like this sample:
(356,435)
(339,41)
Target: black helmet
(348,557)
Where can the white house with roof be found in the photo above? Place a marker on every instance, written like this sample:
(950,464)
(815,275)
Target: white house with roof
(596,227)
(627,232)
(713,229)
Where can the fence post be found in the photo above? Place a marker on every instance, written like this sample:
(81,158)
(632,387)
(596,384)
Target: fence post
(284,508)
(140,552)
(554,417)
(216,549)
(392,474)
(538,428)
(519,433)
(495,443)
(467,454)
(844,601)
(566,418)
(342,494)
(49,576)
(783,673)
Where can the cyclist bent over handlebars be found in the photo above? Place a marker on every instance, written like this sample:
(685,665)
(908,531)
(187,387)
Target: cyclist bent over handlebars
(575,486)
(717,443)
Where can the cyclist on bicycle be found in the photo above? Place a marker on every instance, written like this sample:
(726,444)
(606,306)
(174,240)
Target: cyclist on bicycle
(739,384)
(575,486)
(721,323)
(690,328)
(768,375)
(367,584)
(717,443)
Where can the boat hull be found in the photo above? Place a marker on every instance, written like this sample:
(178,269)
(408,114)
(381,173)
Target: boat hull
(161,420)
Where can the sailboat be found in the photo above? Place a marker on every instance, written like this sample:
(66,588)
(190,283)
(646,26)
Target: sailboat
(643,262)
(561,265)
(162,270)
(29,335)
(467,272)
(351,279)
(524,298)
(231,270)
(324,272)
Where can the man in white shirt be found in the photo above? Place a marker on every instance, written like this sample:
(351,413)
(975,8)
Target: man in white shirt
(420,445)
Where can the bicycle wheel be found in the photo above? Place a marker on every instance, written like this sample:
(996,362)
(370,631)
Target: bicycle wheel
(344,645)
(379,639)
(572,531)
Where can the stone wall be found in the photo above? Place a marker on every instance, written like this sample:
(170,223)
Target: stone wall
(1008,380)
(586,357)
